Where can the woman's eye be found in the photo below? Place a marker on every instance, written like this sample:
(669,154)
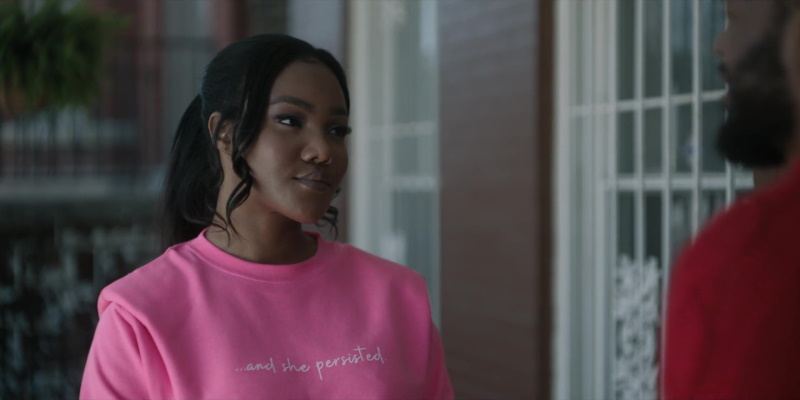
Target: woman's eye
(288,121)
(341,131)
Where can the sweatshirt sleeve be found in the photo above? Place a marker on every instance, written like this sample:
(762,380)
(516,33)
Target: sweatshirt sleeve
(115,368)
(684,331)
(439,386)
(685,372)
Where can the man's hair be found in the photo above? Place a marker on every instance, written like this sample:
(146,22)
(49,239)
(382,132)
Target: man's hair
(761,116)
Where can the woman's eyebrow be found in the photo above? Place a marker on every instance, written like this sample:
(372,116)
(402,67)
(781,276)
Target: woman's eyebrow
(294,101)
(306,105)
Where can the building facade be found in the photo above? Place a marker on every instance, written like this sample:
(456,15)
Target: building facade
(540,162)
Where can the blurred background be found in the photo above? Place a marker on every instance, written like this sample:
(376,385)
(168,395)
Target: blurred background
(540,162)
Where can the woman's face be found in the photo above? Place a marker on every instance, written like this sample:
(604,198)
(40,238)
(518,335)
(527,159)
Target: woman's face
(299,157)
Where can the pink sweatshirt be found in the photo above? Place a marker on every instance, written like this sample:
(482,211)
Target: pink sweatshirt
(198,323)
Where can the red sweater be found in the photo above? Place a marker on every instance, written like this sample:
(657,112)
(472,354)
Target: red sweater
(733,317)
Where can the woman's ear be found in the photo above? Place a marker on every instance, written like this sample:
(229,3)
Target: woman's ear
(224,138)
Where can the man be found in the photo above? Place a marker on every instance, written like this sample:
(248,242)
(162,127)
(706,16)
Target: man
(733,315)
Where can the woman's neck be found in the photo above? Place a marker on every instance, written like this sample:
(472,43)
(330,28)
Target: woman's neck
(268,239)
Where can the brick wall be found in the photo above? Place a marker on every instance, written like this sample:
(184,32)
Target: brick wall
(495,168)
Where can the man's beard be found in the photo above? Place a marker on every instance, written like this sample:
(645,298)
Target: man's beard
(760,109)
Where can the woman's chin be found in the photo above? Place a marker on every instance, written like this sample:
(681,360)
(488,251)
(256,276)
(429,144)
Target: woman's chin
(309,218)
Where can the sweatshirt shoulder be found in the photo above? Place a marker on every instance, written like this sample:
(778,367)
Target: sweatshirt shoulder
(377,267)
(724,241)
(148,286)
(735,225)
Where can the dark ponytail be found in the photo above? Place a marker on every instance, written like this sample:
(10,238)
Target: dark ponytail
(241,74)
(193,179)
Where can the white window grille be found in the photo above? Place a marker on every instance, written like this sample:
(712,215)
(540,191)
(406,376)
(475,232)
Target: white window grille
(637,175)
(394,177)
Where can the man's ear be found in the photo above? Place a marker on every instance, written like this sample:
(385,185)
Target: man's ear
(224,135)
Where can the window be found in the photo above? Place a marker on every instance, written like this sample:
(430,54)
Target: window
(637,176)
(394,147)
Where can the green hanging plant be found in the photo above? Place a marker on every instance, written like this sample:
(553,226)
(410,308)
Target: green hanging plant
(53,57)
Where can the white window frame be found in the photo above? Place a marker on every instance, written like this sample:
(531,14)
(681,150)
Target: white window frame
(366,222)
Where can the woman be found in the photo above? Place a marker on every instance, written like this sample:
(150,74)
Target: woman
(245,304)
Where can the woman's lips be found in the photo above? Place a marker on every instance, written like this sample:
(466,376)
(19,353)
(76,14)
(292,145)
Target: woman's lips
(314,180)
(314,184)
